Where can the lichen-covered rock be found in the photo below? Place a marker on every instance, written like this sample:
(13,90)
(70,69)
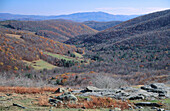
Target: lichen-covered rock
(158,85)
(161,89)
(68,96)
(148,104)
(60,90)
(55,101)
(97,94)
(92,89)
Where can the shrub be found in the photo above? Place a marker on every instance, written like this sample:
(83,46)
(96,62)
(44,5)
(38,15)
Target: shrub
(105,81)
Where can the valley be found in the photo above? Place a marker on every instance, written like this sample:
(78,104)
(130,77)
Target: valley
(60,64)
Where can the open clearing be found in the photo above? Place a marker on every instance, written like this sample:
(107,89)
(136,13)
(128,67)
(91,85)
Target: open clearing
(78,55)
(63,57)
(14,35)
(40,64)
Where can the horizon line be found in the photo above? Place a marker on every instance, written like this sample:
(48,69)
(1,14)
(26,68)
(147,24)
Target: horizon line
(68,13)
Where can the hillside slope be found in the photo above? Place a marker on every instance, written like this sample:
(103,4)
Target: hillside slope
(23,50)
(142,42)
(59,30)
(101,25)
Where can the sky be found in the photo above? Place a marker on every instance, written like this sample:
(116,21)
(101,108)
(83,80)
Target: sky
(60,7)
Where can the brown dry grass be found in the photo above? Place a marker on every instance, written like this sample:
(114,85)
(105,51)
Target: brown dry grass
(98,102)
(43,101)
(27,90)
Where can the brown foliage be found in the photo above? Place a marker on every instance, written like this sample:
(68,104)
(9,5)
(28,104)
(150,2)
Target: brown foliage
(26,90)
(43,101)
(98,102)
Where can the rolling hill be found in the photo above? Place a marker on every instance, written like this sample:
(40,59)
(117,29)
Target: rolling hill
(59,30)
(77,17)
(101,25)
(133,45)
(23,50)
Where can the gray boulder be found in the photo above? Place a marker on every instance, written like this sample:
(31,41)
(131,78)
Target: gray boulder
(148,104)
(161,89)
(158,85)
(68,96)
(18,105)
(92,89)
(60,90)
(97,94)
(55,101)
(77,91)
(133,94)
(135,97)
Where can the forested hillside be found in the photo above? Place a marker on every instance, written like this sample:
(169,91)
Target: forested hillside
(133,50)
(101,25)
(136,45)
(21,50)
(59,30)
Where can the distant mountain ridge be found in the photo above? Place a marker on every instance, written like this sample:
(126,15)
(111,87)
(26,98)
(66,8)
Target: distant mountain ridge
(78,17)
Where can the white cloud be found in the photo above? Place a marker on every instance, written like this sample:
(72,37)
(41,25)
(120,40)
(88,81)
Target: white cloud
(129,10)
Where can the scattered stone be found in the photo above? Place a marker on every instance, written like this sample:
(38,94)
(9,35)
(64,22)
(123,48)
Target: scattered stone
(76,91)
(68,96)
(87,99)
(55,101)
(97,94)
(150,89)
(140,107)
(161,89)
(158,85)
(129,89)
(148,104)
(83,107)
(9,94)
(19,106)
(68,89)
(92,89)
(162,95)
(60,90)
(161,110)
(117,109)
(135,97)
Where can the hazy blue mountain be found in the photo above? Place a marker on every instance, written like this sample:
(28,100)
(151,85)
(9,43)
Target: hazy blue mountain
(78,17)
(96,16)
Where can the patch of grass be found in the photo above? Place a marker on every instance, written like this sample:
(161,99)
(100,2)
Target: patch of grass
(137,86)
(167,101)
(40,65)
(78,55)
(31,102)
(14,35)
(59,56)
(152,101)
(83,97)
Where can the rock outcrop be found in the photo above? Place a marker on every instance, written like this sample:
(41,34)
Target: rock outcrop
(158,88)
(147,92)
(67,97)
